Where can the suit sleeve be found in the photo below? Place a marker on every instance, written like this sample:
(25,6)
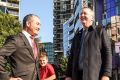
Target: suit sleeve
(106,54)
(8,49)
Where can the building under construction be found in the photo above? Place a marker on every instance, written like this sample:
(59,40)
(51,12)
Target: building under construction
(62,12)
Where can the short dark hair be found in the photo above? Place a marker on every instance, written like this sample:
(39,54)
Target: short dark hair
(27,18)
(43,54)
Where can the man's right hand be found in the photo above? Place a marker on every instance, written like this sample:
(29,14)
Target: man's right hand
(15,78)
(68,78)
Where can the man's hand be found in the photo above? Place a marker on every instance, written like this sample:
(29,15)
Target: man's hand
(105,78)
(68,78)
(15,78)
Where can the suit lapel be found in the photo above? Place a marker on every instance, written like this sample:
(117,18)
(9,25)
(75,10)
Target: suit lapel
(27,44)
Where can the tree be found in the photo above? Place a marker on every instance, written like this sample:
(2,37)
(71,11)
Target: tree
(9,25)
(63,64)
(61,67)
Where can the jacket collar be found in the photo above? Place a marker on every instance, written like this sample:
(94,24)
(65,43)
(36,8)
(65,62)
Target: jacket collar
(89,29)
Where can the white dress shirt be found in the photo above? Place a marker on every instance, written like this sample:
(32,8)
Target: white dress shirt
(27,35)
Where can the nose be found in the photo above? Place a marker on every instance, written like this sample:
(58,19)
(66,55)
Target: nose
(41,62)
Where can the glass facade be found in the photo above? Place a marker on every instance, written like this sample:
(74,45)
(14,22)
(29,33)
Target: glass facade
(105,9)
(108,14)
(48,46)
(98,10)
(68,34)
(65,37)
(110,8)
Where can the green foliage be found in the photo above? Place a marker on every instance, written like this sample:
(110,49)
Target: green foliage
(9,25)
(63,64)
(60,67)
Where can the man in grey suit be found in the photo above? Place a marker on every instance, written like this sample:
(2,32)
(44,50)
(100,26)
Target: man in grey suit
(21,53)
(90,55)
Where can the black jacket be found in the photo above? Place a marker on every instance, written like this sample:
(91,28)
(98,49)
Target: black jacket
(98,56)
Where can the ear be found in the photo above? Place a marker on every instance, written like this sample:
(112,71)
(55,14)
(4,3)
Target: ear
(28,23)
(92,18)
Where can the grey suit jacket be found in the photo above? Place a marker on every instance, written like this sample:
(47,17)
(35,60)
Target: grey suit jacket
(21,57)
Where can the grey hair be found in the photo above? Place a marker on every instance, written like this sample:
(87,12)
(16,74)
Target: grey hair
(92,12)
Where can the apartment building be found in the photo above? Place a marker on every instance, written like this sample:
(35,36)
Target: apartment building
(10,7)
(62,11)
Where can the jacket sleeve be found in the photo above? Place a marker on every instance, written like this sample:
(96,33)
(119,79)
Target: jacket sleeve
(7,49)
(70,58)
(69,64)
(106,54)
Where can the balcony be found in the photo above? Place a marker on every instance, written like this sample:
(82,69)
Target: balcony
(3,4)
(14,1)
(13,6)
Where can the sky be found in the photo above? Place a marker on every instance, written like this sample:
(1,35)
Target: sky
(44,9)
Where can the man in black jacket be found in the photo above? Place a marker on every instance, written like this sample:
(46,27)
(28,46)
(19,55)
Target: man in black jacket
(90,55)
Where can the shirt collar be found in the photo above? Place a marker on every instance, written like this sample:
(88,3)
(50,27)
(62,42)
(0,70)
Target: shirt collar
(26,33)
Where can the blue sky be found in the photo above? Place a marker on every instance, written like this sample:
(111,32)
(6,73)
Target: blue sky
(44,9)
